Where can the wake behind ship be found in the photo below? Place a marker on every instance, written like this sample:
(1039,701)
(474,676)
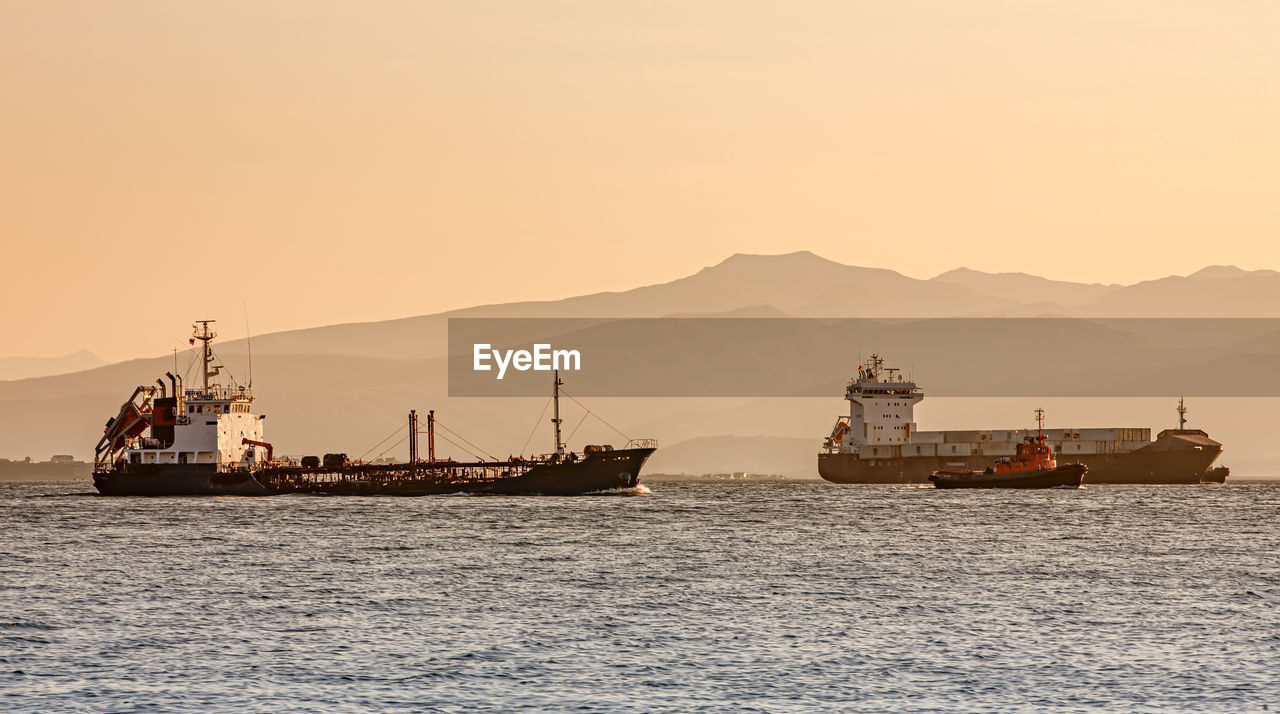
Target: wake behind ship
(174,441)
(878,442)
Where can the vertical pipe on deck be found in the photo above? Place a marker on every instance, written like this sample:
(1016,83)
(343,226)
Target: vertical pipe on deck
(431,435)
(413,442)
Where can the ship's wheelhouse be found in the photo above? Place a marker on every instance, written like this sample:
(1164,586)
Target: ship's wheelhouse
(881,410)
(210,426)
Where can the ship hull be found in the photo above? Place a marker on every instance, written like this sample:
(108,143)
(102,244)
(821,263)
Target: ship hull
(1161,462)
(600,472)
(1217,474)
(177,480)
(596,473)
(1066,476)
(605,471)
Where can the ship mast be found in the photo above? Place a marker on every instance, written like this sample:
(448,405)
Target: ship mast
(431,435)
(205,335)
(555,396)
(413,441)
(1182,415)
(1040,425)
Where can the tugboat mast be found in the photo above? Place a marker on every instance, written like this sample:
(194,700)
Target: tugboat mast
(1039,425)
(1182,415)
(555,396)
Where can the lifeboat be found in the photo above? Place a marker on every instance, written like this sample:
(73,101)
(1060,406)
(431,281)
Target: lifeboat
(1032,466)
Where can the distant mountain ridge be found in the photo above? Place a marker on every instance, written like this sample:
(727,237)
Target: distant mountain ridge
(799,284)
(1026,288)
(12,368)
(1222,272)
(790,284)
(803,284)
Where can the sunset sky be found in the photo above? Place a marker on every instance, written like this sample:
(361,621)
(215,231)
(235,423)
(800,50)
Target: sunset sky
(319,162)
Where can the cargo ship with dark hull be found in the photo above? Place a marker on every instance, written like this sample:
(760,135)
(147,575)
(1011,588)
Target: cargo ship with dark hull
(167,440)
(878,443)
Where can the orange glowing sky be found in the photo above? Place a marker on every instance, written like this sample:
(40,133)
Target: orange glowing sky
(324,162)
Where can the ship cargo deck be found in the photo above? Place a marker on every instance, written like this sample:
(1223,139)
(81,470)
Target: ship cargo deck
(441,477)
(601,470)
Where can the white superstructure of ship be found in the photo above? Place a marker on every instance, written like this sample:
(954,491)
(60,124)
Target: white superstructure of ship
(178,438)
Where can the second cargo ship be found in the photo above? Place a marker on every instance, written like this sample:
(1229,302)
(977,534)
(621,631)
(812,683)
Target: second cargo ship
(878,442)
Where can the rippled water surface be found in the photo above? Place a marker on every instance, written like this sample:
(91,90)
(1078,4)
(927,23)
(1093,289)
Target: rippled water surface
(715,597)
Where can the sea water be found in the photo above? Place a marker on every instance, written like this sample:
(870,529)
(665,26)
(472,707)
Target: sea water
(743,596)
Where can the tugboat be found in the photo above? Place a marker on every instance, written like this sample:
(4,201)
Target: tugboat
(1033,466)
(208,442)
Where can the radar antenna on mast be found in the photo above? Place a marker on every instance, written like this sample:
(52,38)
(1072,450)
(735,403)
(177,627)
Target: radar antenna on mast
(205,334)
(248,341)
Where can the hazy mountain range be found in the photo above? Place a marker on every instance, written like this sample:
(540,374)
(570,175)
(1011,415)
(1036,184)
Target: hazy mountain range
(344,387)
(12,368)
(806,285)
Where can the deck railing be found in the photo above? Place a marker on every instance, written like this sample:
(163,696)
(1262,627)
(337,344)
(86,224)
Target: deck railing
(218,394)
